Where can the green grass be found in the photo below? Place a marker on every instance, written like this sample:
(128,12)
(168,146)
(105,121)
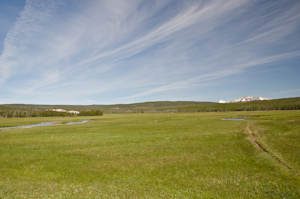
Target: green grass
(175,155)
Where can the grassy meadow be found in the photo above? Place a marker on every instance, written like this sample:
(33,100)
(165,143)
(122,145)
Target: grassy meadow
(159,155)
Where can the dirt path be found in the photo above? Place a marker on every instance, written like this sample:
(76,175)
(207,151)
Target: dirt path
(253,139)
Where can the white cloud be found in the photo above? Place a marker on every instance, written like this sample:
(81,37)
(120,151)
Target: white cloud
(19,37)
(147,48)
(296,91)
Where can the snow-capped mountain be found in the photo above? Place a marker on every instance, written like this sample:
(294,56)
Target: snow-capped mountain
(246,99)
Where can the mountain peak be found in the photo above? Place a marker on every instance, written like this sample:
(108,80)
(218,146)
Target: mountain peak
(246,99)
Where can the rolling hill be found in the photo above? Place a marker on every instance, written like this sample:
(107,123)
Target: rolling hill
(27,110)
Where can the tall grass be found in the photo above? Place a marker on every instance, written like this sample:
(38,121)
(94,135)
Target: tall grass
(178,155)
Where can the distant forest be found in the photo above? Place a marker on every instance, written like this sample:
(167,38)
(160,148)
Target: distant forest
(27,110)
(14,112)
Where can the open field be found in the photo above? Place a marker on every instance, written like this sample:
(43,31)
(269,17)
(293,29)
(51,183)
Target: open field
(165,155)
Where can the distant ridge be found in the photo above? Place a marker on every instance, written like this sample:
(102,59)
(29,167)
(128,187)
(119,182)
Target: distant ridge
(246,99)
(257,104)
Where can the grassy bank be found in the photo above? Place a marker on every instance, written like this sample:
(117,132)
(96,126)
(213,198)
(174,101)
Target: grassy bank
(175,155)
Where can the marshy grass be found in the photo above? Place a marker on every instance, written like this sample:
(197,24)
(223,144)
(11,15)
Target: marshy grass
(174,155)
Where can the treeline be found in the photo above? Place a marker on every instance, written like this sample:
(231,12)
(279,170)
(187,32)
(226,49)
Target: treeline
(91,113)
(249,106)
(45,113)
(148,107)
(242,107)
(31,113)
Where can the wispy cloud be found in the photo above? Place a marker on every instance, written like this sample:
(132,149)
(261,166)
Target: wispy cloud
(63,52)
(20,37)
(288,91)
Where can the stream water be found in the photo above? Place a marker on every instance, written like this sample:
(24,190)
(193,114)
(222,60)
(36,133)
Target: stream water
(43,124)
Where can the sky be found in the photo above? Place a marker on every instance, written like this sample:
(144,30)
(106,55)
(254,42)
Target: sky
(127,51)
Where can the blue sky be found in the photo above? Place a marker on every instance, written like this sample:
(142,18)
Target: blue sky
(127,51)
